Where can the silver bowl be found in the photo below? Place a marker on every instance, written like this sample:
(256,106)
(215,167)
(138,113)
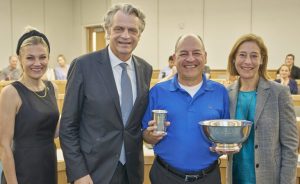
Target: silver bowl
(226,134)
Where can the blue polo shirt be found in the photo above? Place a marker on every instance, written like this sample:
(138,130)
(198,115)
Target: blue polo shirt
(185,147)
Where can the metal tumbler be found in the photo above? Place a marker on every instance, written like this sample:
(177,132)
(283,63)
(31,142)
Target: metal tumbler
(160,117)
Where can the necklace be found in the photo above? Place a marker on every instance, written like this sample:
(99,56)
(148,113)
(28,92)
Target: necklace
(42,96)
(37,92)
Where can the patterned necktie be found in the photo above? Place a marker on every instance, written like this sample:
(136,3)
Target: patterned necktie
(126,102)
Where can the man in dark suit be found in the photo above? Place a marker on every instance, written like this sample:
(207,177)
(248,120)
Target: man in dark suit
(295,70)
(105,100)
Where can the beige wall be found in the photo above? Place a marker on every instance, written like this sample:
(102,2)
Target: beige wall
(218,22)
(278,22)
(53,17)
(6,32)
(224,22)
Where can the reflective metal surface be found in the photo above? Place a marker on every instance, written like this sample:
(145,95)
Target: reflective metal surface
(227,134)
(160,117)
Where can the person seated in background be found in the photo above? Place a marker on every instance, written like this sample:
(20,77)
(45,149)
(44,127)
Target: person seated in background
(284,79)
(11,72)
(49,74)
(294,70)
(173,72)
(167,71)
(62,70)
(206,71)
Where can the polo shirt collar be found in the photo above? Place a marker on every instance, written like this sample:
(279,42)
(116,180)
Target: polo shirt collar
(174,85)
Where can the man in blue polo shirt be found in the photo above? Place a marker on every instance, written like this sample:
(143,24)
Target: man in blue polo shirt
(182,153)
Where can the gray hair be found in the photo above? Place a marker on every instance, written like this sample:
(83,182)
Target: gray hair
(127,9)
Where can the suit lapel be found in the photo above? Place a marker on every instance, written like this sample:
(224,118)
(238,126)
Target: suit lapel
(263,93)
(233,92)
(139,78)
(108,77)
(109,80)
(262,96)
(139,70)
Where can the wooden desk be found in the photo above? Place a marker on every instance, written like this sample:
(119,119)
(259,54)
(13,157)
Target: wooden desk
(4,83)
(61,85)
(153,82)
(155,74)
(61,168)
(296,100)
(60,101)
(225,82)
(148,158)
(222,73)
(298,81)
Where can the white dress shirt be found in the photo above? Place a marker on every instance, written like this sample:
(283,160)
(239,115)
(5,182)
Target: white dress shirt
(117,71)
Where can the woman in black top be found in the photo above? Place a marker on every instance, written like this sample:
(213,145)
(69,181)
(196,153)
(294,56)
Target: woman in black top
(29,117)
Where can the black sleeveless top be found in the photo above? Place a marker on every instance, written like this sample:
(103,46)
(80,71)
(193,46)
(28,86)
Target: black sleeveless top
(33,143)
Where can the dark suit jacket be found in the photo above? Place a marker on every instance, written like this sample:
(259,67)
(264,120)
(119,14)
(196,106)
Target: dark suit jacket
(295,72)
(91,129)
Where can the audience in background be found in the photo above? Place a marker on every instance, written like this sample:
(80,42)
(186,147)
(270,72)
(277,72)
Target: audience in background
(11,72)
(206,71)
(169,71)
(170,76)
(166,71)
(270,153)
(284,79)
(62,70)
(290,62)
(49,74)
(29,117)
